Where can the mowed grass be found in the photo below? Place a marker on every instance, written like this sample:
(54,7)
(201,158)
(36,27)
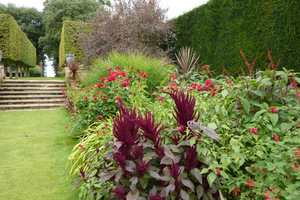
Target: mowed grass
(34,148)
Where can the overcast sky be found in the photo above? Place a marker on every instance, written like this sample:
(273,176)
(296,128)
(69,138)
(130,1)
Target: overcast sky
(176,7)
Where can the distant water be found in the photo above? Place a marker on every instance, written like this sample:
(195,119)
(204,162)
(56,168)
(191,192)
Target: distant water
(49,69)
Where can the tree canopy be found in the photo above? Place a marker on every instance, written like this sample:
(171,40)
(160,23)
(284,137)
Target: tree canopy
(55,12)
(30,22)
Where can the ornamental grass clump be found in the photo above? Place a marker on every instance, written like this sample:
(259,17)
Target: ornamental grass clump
(150,166)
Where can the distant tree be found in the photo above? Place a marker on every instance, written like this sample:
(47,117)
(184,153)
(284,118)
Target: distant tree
(30,21)
(55,12)
(130,25)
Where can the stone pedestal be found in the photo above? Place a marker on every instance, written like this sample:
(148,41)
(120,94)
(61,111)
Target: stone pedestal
(2,72)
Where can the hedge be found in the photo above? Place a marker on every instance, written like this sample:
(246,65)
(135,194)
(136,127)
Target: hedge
(69,42)
(217,29)
(15,46)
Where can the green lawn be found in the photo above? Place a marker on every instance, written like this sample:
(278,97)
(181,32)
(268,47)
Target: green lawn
(34,148)
(41,78)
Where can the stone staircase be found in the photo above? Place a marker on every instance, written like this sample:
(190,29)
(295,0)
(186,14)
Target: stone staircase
(31,94)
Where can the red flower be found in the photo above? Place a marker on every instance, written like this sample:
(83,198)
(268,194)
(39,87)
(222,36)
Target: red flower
(95,98)
(119,99)
(194,85)
(253,130)
(99,85)
(298,152)
(172,76)
(102,79)
(207,82)
(276,138)
(99,93)
(85,97)
(123,74)
(250,183)
(144,74)
(218,171)
(118,68)
(273,109)
(142,168)
(104,97)
(109,69)
(137,69)
(160,98)
(104,87)
(199,88)
(154,93)
(235,191)
(66,127)
(206,66)
(100,117)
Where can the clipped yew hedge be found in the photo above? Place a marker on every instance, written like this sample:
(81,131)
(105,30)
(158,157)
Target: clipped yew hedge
(217,29)
(15,46)
(69,43)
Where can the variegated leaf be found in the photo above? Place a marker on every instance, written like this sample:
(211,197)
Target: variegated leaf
(206,130)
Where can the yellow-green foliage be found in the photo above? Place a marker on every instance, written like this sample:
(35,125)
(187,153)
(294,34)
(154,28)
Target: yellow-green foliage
(15,46)
(69,43)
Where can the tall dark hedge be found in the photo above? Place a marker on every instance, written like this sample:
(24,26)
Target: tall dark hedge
(217,29)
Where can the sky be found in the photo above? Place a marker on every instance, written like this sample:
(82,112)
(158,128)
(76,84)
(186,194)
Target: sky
(175,8)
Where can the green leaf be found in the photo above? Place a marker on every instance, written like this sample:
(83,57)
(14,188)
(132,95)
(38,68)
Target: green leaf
(212,126)
(286,126)
(259,113)
(273,118)
(225,126)
(245,104)
(223,174)
(192,141)
(211,178)
(224,93)
(204,171)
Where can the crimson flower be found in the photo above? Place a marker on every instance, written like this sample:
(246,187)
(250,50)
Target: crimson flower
(95,98)
(102,79)
(160,98)
(253,130)
(199,88)
(123,73)
(66,127)
(144,74)
(172,76)
(154,93)
(218,171)
(99,85)
(235,191)
(109,69)
(194,85)
(85,97)
(100,117)
(276,138)
(250,183)
(273,109)
(104,97)
(104,87)
(119,99)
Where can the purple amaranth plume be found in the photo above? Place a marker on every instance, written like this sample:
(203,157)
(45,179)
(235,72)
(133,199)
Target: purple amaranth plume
(119,192)
(191,159)
(185,108)
(125,130)
(156,197)
(142,168)
(151,131)
(175,172)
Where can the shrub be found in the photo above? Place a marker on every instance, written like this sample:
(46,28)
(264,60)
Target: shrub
(101,100)
(156,69)
(137,25)
(35,72)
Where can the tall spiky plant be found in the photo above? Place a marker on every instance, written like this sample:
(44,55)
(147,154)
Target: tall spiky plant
(187,59)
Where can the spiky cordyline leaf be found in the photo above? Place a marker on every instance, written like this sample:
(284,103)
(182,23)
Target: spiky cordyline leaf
(186,59)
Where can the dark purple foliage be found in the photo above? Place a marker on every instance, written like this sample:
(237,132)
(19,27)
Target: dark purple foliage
(175,172)
(142,168)
(156,197)
(125,130)
(184,110)
(191,159)
(119,192)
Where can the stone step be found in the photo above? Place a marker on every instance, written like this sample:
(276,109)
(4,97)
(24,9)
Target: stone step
(31,101)
(34,81)
(31,106)
(30,88)
(31,96)
(30,85)
(29,92)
